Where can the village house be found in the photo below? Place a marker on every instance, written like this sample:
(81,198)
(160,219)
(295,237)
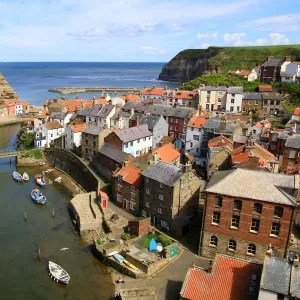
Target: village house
(234,99)
(131,98)
(245,212)
(92,140)
(62,118)
(292,72)
(183,98)
(134,140)
(213,97)
(26,106)
(277,140)
(11,108)
(272,103)
(132,111)
(154,92)
(92,114)
(105,114)
(169,192)
(234,72)
(252,102)
(157,125)
(271,69)
(56,105)
(227,278)
(296,115)
(291,152)
(244,74)
(109,159)
(73,136)
(3,110)
(47,133)
(126,189)
(19,108)
(120,120)
(265,88)
(286,63)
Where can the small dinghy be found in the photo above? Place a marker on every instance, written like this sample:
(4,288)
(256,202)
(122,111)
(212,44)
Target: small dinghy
(42,163)
(18,177)
(119,258)
(40,180)
(58,180)
(58,273)
(25,176)
(38,197)
(48,171)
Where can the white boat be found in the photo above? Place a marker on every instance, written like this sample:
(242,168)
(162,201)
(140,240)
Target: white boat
(48,171)
(58,180)
(18,177)
(58,273)
(42,163)
(25,176)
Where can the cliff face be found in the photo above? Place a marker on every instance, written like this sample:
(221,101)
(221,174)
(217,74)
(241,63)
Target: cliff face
(192,63)
(6,91)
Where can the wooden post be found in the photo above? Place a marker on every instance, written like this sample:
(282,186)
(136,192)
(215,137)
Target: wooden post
(40,254)
(25,216)
(53,213)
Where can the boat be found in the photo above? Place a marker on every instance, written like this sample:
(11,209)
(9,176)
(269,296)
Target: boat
(58,179)
(40,180)
(119,258)
(25,176)
(58,273)
(42,163)
(112,253)
(130,265)
(48,171)
(38,197)
(18,177)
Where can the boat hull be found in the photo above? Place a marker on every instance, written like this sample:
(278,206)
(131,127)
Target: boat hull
(36,197)
(58,273)
(119,258)
(39,181)
(18,177)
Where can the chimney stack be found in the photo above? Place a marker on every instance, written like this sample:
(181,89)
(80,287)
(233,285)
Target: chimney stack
(209,269)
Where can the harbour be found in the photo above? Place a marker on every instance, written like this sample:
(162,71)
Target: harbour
(75,90)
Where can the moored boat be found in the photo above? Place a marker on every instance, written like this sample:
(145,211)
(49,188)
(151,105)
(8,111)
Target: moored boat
(37,197)
(18,177)
(48,171)
(130,265)
(119,258)
(58,179)
(40,180)
(25,176)
(42,163)
(58,273)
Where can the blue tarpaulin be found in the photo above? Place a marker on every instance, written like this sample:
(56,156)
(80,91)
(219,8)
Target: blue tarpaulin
(152,245)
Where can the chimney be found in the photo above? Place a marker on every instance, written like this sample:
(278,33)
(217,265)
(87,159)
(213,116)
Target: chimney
(193,265)
(155,157)
(126,99)
(223,123)
(160,144)
(137,121)
(288,58)
(270,57)
(200,110)
(209,269)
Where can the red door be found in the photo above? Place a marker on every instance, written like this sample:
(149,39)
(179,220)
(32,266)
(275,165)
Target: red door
(104,203)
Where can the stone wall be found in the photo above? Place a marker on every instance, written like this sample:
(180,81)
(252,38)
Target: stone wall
(69,163)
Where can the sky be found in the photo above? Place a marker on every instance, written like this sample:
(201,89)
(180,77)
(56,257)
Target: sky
(139,30)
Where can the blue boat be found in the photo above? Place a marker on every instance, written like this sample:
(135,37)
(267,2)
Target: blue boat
(39,179)
(37,197)
(18,177)
(119,258)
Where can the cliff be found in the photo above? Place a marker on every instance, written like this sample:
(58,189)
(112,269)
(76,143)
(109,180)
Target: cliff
(191,63)
(6,91)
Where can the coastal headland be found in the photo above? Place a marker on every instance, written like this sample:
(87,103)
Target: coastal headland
(74,90)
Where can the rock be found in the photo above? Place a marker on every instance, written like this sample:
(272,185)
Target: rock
(6,91)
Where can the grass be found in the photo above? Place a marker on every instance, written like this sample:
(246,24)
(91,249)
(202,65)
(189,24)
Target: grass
(37,154)
(288,107)
(32,153)
(161,238)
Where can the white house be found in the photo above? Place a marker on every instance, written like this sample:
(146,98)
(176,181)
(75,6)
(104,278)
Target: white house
(154,92)
(62,118)
(120,120)
(292,72)
(105,114)
(234,99)
(19,108)
(194,135)
(283,68)
(47,133)
(73,135)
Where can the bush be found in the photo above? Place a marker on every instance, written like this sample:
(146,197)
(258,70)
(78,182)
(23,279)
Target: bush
(164,240)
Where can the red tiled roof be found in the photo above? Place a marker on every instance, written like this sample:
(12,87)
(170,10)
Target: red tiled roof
(197,122)
(265,88)
(232,71)
(242,157)
(79,127)
(229,279)
(24,102)
(75,104)
(189,95)
(237,151)
(131,175)
(102,194)
(220,141)
(297,111)
(53,125)
(131,97)
(244,73)
(167,153)
(153,91)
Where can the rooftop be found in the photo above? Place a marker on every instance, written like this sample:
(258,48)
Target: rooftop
(79,127)
(274,62)
(235,89)
(150,120)
(213,88)
(114,153)
(53,125)
(252,96)
(105,111)
(272,96)
(133,133)
(167,153)
(293,142)
(131,175)
(265,88)
(197,122)
(94,111)
(264,186)
(94,130)
(229,279)
(153,91)
(58,115)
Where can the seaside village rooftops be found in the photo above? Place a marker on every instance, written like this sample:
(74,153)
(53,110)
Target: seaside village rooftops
(133,133)
(94,111)
(168,111)
(58,115)
(197,122)
(188,95)
(94,130)
(131,98)
(163,172)
(252,96)
(114,153)
(105,111)
(53,125)
(131,175)
(235,90)
(209,88)
(293,142)
(154,91)
(228,278)
(151,121)
(264,186)
(79,127)
(265,88)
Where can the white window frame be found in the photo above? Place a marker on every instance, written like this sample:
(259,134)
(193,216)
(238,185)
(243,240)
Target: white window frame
(120,188)
(119,198)
(161,197)
(147,204)
(132,205)
(216,218)
(159,210)
(147,191)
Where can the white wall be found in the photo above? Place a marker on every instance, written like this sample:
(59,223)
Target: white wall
(267,295)
(237,105)
(192,144)
(138,146)
(19,109)
(106,121)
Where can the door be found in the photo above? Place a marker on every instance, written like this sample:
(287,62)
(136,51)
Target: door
(104,203)
(125,204)
(153,219)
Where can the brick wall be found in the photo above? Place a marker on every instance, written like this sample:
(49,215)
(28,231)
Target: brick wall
(290,161)
(243,235)
(139,227)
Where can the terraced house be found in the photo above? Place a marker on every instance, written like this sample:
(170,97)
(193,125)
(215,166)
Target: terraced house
(246,211)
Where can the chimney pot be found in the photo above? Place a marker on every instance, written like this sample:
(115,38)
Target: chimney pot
(209,269)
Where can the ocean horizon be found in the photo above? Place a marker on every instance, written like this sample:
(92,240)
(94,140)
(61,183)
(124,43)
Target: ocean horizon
(32,80)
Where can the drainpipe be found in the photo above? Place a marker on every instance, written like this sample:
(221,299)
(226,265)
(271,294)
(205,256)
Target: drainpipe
(203,222)
(289,235)
(179,196)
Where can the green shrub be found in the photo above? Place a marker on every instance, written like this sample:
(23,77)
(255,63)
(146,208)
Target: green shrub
(164,240)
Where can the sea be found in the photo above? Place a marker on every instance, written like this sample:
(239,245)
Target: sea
(32,80)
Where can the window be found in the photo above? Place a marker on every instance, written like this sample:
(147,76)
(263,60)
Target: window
(147,204)
(161,197)
(231,108)
(237,205)
(196,137)
(238,108)
(278,212)
(213,241)
(176,128)
(147,179)
(219,99)
(277,102)
(132,205)
(232,100)
(164,224)
(159,210)
(171,119)
(216,217)
(133,188)
(120,178)
(257,208)
(235,221)
(119,198)
(132,196)
(86,142)
(161,185)
(94,144)
(255,225)
(191,145)
(251,249)
(131,143)
(275,229)
(144,213)
(119,188)
(138,141)
(126,145)
(218,201)
(272,102)
(147,191)
(171,127)
(232,245)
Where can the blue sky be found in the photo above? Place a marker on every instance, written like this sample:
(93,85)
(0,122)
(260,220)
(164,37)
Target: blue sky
(139,30)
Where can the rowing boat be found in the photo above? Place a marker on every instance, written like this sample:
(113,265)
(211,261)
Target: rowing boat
(18,177)
(58,273)
(25,176)
(40,180)
(37,197)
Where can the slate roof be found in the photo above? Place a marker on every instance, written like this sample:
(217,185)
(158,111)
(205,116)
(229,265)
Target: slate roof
(215,125)
(264,186)
(293,142)
(272,96)
(163,172)
(94,111)
(213,88)
(241,139)
(84,112)
(276,275)
(94,130)
(133,133)
(114,153)
(150,120)
(162,110)
(235,90)
(105,111)
(58,115)
(252,96)
(274,62)
(229,279)
(137,106)
(182,112)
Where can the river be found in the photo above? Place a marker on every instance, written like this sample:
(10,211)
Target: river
(23,275)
